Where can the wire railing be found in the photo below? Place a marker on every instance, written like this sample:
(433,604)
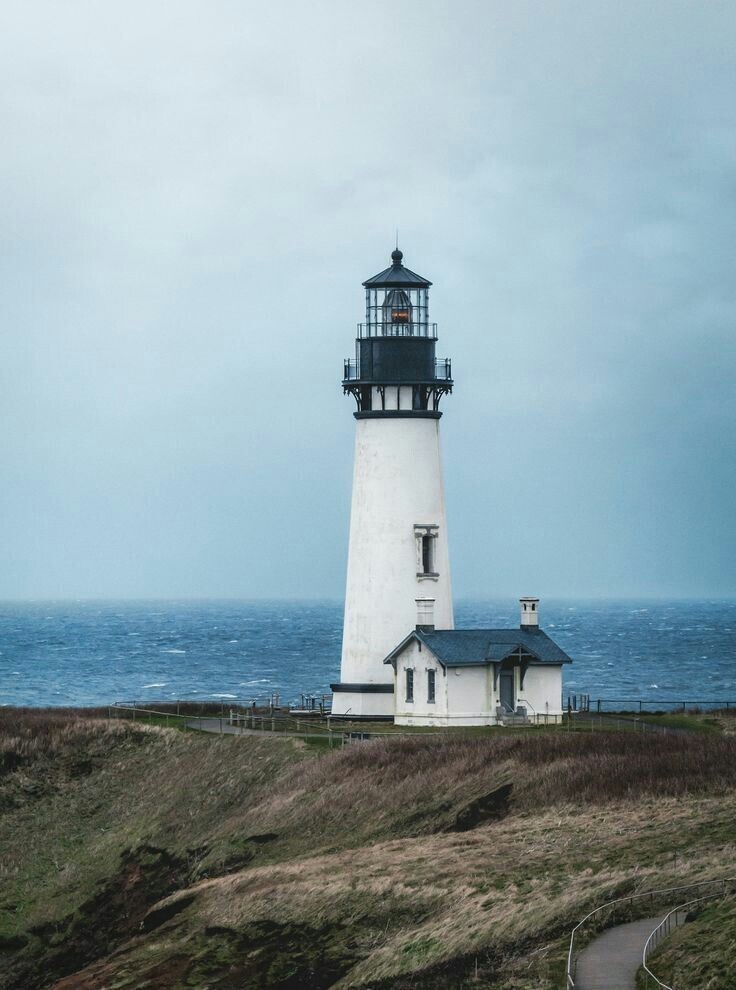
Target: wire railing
(593,917)
(442,370)
(313,711)
(239,720)
(658,704)
(672,920)
(229,722)
(390,329)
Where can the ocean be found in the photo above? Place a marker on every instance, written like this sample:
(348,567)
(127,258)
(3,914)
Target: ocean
(96,653)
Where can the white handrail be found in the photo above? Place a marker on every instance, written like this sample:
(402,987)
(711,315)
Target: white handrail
(570,981)
(664,927)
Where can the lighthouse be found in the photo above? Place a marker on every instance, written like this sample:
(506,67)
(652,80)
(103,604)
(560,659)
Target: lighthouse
(398,560)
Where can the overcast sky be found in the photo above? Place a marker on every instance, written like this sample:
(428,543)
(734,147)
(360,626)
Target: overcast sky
(191,195)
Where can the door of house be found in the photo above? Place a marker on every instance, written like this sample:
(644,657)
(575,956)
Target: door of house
(507,690)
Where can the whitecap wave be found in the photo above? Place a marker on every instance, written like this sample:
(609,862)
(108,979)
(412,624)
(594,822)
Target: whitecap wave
(157,684)
(173,651)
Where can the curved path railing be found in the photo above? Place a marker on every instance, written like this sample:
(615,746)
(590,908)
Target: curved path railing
(671,921)
(630,898)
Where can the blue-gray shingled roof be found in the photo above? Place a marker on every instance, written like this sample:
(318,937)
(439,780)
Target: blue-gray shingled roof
(459,647)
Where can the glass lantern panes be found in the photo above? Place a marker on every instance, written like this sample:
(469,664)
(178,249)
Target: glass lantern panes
(397,312)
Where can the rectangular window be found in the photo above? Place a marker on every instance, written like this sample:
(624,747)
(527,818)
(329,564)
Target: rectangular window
(427,554)
(426,541)
(430,686)
(410,685)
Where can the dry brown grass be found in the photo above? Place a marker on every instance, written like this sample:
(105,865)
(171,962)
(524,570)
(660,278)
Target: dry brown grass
(413,905)
(29,734)
(362,853)
(417,785)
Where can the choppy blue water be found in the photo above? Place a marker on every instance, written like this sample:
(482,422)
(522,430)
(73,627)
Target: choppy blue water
(84,653)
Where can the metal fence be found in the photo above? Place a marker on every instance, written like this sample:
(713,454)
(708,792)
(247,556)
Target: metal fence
(658,705)
(239,720)
(316,720)
(595,919)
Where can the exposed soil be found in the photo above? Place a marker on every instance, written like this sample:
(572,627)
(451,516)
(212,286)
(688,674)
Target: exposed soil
(489,808)
(283,957)
(116,912)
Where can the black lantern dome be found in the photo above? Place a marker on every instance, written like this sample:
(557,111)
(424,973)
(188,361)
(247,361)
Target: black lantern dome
(396,346)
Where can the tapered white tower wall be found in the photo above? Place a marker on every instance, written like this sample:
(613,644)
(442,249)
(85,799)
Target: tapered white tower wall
(398,550)
(398,501)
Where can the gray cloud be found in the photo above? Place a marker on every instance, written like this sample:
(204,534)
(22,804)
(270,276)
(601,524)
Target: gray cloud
(190,197)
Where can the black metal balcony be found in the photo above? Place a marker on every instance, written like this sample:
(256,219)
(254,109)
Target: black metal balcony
(442,370)
(427,330)
(352,371)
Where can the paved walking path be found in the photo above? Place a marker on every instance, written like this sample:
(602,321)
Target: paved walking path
(611,961)
(214,724)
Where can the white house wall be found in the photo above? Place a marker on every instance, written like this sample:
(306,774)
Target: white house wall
(469,690)
(542,691)
(421,711)
(397,484)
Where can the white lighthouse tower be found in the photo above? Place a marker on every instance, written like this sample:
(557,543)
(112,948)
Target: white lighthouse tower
(398,562)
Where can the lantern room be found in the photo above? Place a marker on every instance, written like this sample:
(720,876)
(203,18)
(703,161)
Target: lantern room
(395,371)
(397,303)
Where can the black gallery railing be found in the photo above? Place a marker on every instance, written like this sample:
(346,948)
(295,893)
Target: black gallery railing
(442,370)
(397,330)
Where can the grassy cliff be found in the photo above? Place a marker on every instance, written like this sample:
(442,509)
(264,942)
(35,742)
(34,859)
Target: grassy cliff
(137,856)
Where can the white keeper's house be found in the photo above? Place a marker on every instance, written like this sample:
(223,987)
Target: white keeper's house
(402,658)
(478,676)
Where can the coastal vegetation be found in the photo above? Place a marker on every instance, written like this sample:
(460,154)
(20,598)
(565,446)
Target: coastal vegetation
(701,953)
(135,855)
